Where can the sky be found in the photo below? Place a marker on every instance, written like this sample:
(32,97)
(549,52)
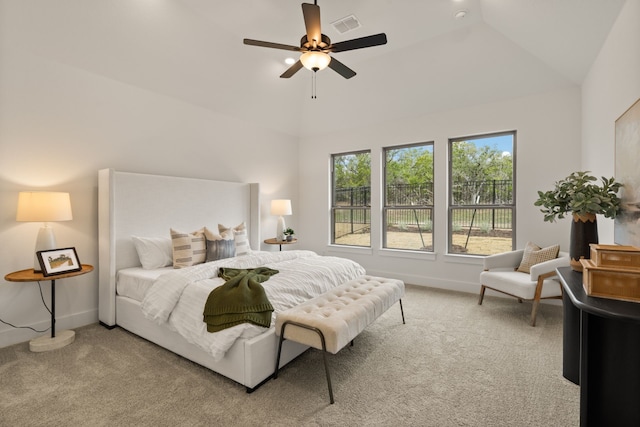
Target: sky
(503,143)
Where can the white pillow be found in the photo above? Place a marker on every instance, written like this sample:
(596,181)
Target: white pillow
(240,237)
(154,252)
(188,248)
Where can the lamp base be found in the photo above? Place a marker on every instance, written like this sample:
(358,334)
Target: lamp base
(46,240)
(46,343)
(280,229)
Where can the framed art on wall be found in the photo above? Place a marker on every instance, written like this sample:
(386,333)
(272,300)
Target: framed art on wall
(58,261)
(627,223)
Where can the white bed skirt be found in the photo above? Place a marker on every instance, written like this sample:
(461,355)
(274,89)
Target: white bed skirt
(259,353)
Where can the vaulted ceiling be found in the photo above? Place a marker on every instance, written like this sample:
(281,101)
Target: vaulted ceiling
(192,50)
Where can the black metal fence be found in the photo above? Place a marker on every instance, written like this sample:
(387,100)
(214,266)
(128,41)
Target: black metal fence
(489,192)
(352,205)
(410,194)
(405,218)
(353,196)
(482,218)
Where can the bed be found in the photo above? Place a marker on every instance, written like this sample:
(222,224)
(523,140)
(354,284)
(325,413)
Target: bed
(164,305)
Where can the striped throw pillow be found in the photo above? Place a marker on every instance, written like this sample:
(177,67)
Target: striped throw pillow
(188,248)
(240,237)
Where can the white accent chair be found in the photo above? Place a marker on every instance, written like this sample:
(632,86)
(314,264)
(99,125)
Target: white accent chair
(500,274)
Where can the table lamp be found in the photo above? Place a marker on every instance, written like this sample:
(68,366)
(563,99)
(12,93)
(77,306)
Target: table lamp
(45,207)
(280,207)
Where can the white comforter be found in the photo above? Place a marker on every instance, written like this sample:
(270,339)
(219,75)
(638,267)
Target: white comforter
(177,298)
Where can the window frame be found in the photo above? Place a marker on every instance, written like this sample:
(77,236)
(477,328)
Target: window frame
(386,208)
(450,189)
(334,207)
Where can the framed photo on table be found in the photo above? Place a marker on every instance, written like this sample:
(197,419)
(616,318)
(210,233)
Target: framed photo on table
(58,261)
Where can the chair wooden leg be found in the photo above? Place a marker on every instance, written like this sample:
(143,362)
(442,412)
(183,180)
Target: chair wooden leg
(536,298)
(482,288)
(534,312)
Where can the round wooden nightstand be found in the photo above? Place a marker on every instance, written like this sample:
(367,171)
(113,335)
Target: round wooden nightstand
(274,241)
(66,337)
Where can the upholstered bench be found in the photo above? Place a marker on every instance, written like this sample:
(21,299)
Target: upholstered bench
(332,320)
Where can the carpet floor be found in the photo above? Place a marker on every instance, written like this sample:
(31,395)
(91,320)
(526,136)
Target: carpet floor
(454,363)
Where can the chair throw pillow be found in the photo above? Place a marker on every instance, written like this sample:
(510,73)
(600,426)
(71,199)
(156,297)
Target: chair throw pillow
(533,255)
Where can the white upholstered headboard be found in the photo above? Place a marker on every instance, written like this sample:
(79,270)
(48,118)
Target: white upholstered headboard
(133,204)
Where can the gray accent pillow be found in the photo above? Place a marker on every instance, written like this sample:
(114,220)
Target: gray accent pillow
(220,249)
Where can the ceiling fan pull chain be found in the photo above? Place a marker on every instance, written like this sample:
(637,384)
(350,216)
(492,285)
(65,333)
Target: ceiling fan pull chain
(313,86)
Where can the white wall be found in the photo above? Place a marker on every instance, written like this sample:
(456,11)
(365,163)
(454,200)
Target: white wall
(548,148)
(59,125)
(558,133)
(611,87)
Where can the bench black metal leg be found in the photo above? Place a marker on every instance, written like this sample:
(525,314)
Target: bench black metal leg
(324,348)
(324,352)
(326,369)
(275,372)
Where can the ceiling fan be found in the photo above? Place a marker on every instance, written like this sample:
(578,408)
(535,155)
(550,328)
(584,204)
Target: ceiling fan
(315,46)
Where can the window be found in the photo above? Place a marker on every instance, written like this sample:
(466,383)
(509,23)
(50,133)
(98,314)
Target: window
(408,197)
(482,194)
(351,199)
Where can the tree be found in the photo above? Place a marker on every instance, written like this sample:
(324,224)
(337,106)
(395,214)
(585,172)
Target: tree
(409,165)
(352,170)
(473,166)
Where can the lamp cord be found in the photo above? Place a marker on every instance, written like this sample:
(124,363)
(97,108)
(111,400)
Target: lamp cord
(29,327)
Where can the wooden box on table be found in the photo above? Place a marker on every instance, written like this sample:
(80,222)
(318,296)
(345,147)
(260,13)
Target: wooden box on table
(615,256)
(612,272)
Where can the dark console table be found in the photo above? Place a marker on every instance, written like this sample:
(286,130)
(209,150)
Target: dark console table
(601,353)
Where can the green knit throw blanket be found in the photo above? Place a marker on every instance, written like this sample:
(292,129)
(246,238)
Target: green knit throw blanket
(240,299)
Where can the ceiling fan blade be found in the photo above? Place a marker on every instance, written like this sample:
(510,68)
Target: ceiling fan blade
(291,70)
(271,45)
(311,13)
(362,42)
(341,69)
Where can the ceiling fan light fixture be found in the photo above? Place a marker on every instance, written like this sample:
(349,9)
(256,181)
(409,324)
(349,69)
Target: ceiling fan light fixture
(315,61)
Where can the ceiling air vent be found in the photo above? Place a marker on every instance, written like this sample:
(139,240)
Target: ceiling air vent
(345,24)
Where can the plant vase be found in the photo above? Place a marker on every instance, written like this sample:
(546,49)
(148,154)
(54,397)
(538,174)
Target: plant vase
(584,231)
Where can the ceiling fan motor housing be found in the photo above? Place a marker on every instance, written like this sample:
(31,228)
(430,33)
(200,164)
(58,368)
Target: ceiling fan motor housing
(324,43)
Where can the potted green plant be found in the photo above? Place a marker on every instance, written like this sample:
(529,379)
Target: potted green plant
(289,234)
(579,195)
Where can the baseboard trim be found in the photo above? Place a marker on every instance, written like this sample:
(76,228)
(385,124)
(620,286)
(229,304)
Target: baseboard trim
(13,336)
(430,282)
(449,285)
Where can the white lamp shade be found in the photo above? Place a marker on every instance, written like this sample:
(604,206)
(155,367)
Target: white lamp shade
(281,207)
(43,206)
(315,61)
